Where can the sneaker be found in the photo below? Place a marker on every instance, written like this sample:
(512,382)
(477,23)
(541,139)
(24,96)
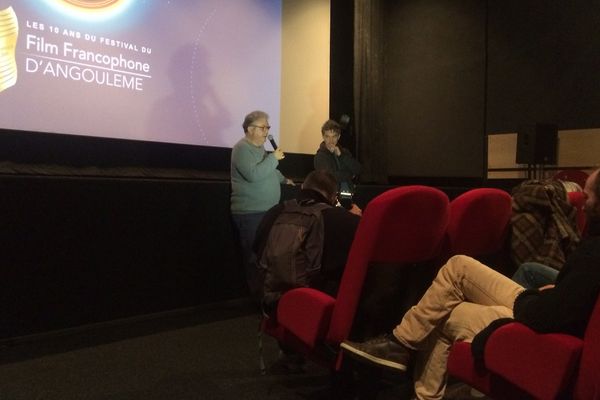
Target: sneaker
(385,351)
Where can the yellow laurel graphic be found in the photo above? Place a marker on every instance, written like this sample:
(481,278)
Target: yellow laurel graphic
(92,4)
(9,31)
(91,10)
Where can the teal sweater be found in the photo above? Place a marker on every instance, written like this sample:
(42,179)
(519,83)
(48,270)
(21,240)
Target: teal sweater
(255,179)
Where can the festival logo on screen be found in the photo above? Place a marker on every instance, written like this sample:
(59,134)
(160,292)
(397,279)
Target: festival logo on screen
(53,49)
(9,31)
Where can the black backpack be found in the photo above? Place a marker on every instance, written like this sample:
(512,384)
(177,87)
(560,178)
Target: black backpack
(293,251)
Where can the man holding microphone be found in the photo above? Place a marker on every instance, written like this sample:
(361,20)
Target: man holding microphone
(255,187)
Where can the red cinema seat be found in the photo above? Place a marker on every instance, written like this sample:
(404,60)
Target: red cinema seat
(523,364)
(401,226)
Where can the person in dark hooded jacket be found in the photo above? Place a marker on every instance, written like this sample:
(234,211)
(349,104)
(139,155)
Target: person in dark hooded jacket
(334,158)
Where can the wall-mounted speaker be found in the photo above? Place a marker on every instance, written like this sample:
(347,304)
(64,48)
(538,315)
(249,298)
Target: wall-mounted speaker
(537,144)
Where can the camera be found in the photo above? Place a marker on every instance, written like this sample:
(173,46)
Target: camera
(345,195)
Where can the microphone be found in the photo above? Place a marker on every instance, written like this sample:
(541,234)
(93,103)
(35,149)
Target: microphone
(344,121)
(272,141)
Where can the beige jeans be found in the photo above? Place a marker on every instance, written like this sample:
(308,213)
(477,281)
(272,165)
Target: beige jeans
(463,299)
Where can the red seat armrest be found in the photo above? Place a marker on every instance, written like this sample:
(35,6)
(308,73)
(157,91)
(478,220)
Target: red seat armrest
(461,365)
(541,364)
(306,314)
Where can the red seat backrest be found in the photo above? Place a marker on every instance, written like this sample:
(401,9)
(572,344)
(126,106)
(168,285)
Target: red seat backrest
(403,225)
(479,222)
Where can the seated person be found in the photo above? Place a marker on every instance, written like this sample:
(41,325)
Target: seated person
(532,275)
(338,224)
(467,301)
(333,158)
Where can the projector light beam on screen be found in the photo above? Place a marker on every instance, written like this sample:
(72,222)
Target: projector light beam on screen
(90,10)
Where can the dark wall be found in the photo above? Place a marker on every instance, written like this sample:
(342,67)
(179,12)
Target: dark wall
(455,71)
(434,93)
(543,64)
(341,81)
(44,149)
(85,250)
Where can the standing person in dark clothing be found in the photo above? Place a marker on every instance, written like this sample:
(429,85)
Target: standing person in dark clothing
(334,158)
(339,226)
(467,301)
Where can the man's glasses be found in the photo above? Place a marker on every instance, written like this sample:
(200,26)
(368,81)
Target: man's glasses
(263,128)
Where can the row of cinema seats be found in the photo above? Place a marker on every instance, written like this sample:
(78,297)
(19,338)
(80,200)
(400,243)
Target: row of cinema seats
(523,364)
(405,227)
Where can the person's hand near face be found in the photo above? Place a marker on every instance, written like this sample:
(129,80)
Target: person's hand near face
(331,140)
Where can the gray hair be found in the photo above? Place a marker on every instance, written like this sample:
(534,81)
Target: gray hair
(252,117)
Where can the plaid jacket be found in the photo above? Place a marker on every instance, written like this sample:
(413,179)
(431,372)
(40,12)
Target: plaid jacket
(543,227)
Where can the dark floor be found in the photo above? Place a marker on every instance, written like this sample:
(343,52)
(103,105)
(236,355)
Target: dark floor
(204,354)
